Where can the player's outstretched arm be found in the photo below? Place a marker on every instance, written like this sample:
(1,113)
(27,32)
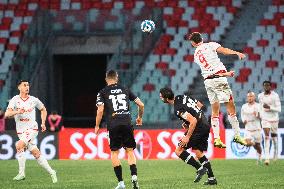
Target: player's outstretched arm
(227,51)
(100,112)
(140,105)
(43,114)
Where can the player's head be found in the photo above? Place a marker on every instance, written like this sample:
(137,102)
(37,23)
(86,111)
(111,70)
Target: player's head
(266,86)
(250,97)
(195,39)
(166,94)
(111,77)
(23,86)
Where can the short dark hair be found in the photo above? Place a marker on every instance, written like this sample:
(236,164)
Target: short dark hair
(167,92)
(21,81)
(269,82)
(196,37)
(111,74)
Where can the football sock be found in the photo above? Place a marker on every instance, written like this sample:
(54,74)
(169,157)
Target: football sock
(235,124)
(133,169)
(275,145)
(205,163)
(189,159)
(22,162)
(215,126)
(118,172)
(267,147)
(43,162)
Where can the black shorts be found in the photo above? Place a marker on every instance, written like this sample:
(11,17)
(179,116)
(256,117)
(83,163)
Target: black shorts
(199,138)
(121,136)
(198,142)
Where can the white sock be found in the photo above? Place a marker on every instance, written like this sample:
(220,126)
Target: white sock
(267,146)
(22,162)
(215,127)
(235,124)
(275,145)
(43,162)
(258,155)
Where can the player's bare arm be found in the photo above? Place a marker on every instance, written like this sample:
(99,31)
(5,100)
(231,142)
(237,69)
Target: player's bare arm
(227,74)
(140,105)
(11,113)
(193,121)
(43,114)
(100,112)
(227,51)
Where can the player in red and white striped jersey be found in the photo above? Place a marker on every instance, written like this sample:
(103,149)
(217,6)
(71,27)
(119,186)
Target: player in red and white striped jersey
(216,84)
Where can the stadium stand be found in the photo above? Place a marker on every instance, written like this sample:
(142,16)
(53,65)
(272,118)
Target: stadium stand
(171,61)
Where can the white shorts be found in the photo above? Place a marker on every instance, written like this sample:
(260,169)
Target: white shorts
(218,90)
(28,137)
(272,125)
(254,135)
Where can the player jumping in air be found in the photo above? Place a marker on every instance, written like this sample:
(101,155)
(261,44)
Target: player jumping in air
(22,108)
(251,119)
(196,137)
(114,101)
(216,84)
(270,108)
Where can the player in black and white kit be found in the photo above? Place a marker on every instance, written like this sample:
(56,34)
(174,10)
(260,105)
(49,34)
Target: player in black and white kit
(113,102)
(189,111)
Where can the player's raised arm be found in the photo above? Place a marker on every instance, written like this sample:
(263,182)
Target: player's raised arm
(227,51)
(140,105)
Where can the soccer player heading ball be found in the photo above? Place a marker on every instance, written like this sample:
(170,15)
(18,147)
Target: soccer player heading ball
(189,111)
(216,84)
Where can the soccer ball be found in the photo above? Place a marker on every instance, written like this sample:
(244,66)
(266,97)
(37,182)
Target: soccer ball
(148,26)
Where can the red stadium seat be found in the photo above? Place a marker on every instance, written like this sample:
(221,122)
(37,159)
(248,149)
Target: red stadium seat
(149,87)
(162,65)
(271,64)
(169,72)
(189,58)
(2,83)
(263,42)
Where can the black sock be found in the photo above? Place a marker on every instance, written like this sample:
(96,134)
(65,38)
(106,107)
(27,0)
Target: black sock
(205,162)
(133,169)
(187,158)
(118,172)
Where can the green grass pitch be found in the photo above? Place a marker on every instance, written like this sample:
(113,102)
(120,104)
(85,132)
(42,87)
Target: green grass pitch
(152,174)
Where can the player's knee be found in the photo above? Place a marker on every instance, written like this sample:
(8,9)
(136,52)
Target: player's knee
(20,146)
(273,134)
(36,153)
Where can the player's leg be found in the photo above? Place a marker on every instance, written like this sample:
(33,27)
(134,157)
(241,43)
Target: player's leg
(215,124)
(215,107)
(115,143)
(43,162)
(20,147)
(187,157)
(257,136)
(248,138)
(206,164)
(266,128)
(274,129)
(130,144)
(132,166)
(231,109)
(117,169)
